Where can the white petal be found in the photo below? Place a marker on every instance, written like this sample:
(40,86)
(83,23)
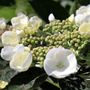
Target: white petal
(19,48)
(2,23)
(20,22)
(9,38)
(19,32)
(21,61)
(84,29)
(35,22)
(51,17)
(71,18)
(79,18)
(52,51)
(7,53)
(86,19)
(81,10)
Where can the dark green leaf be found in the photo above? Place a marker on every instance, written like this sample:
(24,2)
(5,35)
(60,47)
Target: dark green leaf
(26,77)
(28,80)
(72,83)
(84,2)
(49,85)
(85,54)
(18,87)
(38,81)
(6,74)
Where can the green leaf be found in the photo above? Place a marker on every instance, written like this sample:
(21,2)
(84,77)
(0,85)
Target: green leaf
(85,54)
(21,87)
(72,83)
(87,58)
(3,64)
(18,87)
(74,7)
(6,74)
(87,80)
(53,82)
(7,12)
(28,80)
(38,81)
(24,6)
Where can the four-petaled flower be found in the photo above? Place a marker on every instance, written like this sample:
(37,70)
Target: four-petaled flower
(19,56)
(60,62)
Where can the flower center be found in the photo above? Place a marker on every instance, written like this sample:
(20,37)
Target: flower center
(60,65)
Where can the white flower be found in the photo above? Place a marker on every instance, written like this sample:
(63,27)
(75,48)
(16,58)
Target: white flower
(20,22)
(19,56)
(9,38)
(33,25)
(20,33)
(3,84)
(51,17)
(7,52)
(60,62)
(71,18)
(35,22)
(82,15)
(19,48)
(84,29)
(21,60)
(2,23)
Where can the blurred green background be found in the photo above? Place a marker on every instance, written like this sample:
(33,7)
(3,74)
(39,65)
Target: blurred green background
(60,8)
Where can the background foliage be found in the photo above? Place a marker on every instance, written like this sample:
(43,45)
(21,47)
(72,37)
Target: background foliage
(60,8)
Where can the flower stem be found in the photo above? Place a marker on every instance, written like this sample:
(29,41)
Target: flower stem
(54,84)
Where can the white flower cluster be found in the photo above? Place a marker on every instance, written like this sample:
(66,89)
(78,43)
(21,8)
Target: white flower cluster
(82,19)
(19,56)
(83,14)
(21,22)
(59,62)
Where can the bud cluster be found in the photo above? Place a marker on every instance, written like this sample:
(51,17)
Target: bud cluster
(57,26)
(39,54)
(72,40)
(32,41)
